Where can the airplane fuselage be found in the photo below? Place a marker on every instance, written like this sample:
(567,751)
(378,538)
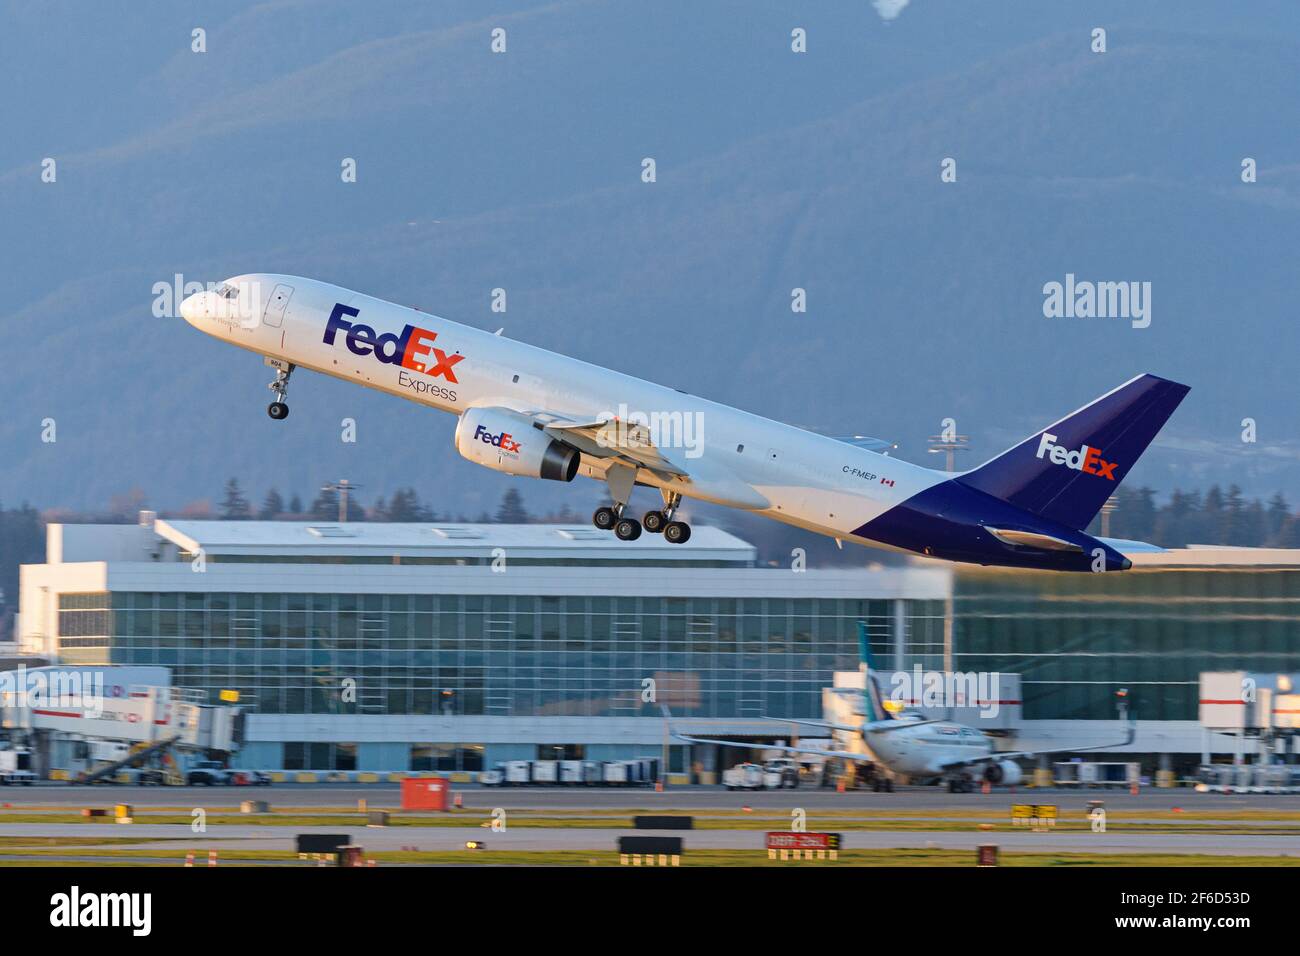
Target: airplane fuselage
(719,454)
(750,462)
(928,748)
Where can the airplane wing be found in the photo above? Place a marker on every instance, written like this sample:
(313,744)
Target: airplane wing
(892,723)
(842,754)
(823,724)
(1130,733)
(628,446)
(612,438)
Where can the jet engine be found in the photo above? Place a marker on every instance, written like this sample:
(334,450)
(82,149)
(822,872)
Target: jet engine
(507,441)
(1005,772)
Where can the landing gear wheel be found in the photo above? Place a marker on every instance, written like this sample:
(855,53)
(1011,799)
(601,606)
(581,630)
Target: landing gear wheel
(278,410)
(604,518)
(627,529)
(654,521)
(677,532)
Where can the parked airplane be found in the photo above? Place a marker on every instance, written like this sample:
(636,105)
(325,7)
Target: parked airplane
(911,746)
(526,411)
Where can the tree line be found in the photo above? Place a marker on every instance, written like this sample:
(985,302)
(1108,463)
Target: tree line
(1215,517)
(403,505)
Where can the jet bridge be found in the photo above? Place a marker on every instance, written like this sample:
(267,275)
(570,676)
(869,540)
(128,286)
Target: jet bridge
(75,719)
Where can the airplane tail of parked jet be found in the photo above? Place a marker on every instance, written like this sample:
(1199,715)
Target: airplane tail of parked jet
(1066,471)
(872,699)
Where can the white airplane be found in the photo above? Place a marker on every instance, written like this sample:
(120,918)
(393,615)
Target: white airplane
(526,411)
(911,746)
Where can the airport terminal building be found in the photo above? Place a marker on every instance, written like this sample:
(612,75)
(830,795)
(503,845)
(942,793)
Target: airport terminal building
(368,646)
(371,646)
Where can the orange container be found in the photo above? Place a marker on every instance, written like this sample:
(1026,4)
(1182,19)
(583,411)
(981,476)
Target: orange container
(428,793)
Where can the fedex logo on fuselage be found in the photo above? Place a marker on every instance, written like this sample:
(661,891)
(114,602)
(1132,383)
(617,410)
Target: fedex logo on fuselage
(505,441)
(412,349)
(1085,459)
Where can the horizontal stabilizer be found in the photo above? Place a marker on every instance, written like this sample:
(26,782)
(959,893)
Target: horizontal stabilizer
(1125,546)
(1032,539)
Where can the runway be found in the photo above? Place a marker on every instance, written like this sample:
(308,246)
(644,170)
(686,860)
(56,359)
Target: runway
(547,820)
(254,837)
(381,797)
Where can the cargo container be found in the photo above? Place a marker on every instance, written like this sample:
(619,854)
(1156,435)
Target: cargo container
(546,771)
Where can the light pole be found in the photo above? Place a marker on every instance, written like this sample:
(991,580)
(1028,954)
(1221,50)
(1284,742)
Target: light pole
(1109,507)
(341,487)
(948,445)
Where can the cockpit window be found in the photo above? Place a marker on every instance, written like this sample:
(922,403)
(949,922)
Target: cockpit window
(227,291)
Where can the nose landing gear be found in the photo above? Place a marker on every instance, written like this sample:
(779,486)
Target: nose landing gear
(278,410)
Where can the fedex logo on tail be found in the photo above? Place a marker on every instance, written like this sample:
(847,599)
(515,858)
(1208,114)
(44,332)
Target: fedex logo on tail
(1086,458)
(505,441)
(412,349)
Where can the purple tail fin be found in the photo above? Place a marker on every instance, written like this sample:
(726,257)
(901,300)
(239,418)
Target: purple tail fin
(1067,471)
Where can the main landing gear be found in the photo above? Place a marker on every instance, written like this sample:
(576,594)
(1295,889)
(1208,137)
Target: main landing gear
(661,522)
(278,410)
(656,522)
(624,528)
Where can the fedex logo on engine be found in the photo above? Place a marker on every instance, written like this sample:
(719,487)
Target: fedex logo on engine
(505,441)
(1085,459)
(412,349)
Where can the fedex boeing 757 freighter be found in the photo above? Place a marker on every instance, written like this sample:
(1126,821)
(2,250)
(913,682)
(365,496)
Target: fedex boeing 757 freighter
(526,411)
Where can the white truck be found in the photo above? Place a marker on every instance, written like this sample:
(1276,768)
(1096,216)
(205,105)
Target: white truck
(16,767)
(743,776)
(781,772)
(776,774)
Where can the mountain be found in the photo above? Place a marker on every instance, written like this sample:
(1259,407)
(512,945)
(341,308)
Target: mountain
(775,170)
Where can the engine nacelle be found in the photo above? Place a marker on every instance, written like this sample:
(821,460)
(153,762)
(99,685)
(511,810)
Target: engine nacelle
(503,440)
(1004,772)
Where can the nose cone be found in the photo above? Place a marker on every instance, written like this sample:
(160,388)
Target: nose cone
(196,307)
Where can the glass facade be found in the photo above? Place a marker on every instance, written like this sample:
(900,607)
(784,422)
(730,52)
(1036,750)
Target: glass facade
(493,654)
(1077,639)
